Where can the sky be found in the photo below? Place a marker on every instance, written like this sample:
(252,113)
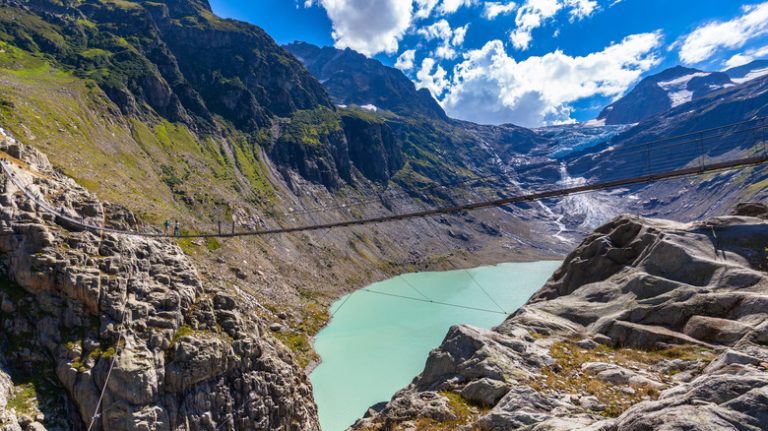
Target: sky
(527,62)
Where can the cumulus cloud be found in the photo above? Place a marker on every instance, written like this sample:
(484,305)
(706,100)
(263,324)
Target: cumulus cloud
(489,86)
(436,82)
(747,57)
(581,9)
(405,61)
(424,8)
(451,6)
(707,40)
(492,9)
(534,13)
(531,16)
(375,26)
(449,38)
(368,26)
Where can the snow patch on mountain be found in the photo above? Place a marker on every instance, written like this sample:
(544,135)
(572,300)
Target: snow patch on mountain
(595,123)
(677,89)
(758,73)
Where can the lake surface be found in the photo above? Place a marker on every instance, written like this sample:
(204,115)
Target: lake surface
(376,344)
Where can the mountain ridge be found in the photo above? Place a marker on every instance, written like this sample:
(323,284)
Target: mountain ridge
(673,87)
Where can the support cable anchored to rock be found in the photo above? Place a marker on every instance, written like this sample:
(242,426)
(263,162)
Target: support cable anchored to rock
(120,338)
(447,304)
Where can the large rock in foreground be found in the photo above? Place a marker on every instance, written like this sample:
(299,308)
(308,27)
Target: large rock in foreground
(648,325)
(87,315)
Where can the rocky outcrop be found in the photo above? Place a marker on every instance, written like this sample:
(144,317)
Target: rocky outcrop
(373,148)
(648,324)
(82,312)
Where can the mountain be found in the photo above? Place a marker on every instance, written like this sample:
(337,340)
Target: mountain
(658,93)
(748,72)
(234,97)
(174,57)
(353,79)
(674,87)
(134,113)
(735,118)
(159,111)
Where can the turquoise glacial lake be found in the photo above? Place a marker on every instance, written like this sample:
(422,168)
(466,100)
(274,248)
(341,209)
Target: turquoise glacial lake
(376,344)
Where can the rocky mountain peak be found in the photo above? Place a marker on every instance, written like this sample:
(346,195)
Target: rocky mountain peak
(674,87)
(147,56)
(353,79)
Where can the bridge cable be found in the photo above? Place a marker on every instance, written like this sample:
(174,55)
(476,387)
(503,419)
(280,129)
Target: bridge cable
(118,351)
(447,304)
(457,208)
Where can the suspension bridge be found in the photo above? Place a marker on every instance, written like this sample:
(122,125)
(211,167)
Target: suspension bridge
(733,146)
(730,147)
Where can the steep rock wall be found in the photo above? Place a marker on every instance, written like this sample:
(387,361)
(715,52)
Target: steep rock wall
(79,307)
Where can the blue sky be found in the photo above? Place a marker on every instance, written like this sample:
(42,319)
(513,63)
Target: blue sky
(529,62)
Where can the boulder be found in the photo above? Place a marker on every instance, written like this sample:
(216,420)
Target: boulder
(485,391)
(752,209)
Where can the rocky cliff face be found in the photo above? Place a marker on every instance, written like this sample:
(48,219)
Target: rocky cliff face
(647,325)
(82,312)
(373,147)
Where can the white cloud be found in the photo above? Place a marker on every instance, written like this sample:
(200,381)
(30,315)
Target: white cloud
(435,82)
(439,30)
(489,86)
(375,26)
(459,34)
(406,60)
(738,60)
(424,8)
(747,57)
(449,38)
(531,16)
(534,13)
(451,6)
(581,9)
(368,26)
(708,39)
(493,9)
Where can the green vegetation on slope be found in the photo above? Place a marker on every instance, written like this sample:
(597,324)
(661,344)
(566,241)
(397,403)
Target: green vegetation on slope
(157,168)
(566,374)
